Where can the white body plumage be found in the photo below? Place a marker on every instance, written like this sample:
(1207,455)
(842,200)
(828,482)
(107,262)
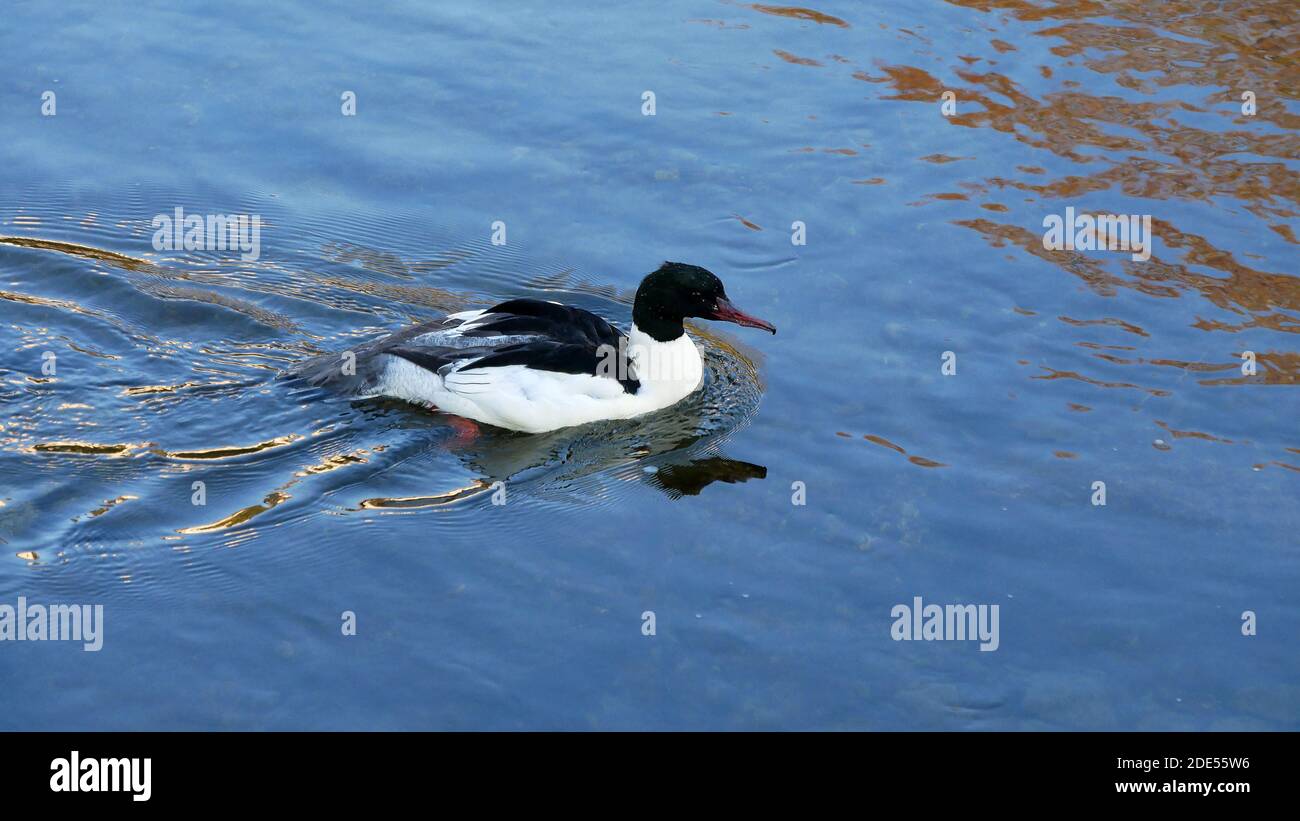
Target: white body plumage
(521,398)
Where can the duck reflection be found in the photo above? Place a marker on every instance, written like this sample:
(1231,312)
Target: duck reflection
(689,478)
(666,451)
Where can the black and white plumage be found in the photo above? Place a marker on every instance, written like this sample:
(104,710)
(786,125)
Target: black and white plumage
(531,365)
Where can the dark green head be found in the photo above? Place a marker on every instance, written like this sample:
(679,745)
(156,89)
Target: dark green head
(677,291)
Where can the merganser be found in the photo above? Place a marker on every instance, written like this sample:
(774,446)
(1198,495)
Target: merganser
(534,366)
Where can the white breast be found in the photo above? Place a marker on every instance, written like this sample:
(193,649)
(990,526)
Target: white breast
(668,371)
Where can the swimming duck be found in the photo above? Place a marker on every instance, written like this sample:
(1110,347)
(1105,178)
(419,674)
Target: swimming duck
(534,366)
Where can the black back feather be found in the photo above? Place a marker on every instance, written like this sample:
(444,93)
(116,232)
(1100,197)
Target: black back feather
(570,340)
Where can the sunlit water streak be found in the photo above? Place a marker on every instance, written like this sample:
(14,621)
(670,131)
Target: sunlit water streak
(301,454)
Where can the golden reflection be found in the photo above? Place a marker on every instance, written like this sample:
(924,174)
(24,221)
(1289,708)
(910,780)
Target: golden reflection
(334,463)
(1100,383)
(794,59)
(919,461)
(232,450)
(85,251)
(1117,323)
(435,500)
(279,495)
(156,284)
(883,442)
(1192,434)
(86,448)
(797,13)
(241,516)
(1272,368)
(108,505)
(1157,148)
(60,304)
(140,390)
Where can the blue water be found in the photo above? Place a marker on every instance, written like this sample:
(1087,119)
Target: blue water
(923,236)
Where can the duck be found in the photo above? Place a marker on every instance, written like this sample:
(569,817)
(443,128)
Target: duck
(534,366)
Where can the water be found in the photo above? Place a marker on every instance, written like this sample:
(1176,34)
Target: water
(924,236)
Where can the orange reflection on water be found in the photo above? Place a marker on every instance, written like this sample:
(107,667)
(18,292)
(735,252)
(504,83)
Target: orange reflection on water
(919,461)
(798,13)
(1156,149)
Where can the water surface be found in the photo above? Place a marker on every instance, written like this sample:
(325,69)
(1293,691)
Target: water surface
(923,236)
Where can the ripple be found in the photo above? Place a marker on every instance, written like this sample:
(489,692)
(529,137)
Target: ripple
(153,382)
